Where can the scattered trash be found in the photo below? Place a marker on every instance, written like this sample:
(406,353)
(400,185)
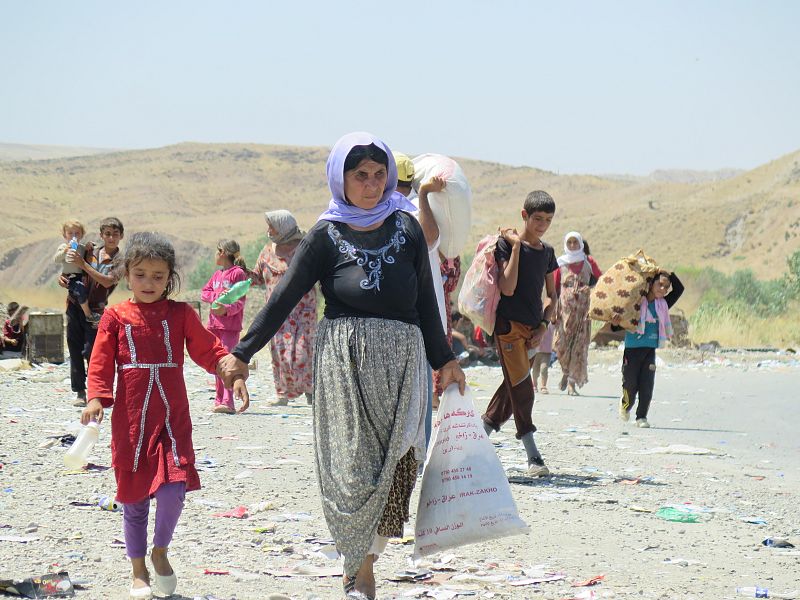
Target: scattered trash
(681,562)
(108,503)
(754,520)
(412,575)
(22,539)
(759,592)
(670,513)
(777,543)
(306,571)
(679,449)
(590,582)
(215,572)
(52,585)
(301,516)
(240,512)
(536,580)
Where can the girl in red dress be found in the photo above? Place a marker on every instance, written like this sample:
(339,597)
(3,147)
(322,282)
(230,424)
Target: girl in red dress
(142,342)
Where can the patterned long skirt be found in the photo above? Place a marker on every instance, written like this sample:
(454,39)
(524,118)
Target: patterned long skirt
(292,350)
(370,394)
(573,334)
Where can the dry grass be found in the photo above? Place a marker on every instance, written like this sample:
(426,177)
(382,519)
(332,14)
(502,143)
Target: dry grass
(733,328)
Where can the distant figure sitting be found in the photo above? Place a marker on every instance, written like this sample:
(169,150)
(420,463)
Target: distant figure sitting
(13,335)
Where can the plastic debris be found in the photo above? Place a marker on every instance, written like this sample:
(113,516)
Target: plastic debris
(670,513)
(52,585)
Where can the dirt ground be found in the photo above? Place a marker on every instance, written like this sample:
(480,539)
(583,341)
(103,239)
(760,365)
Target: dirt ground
(724,444)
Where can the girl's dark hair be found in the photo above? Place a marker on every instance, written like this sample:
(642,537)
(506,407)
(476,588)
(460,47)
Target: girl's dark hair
(231,249)
(359,153)
(586,250)
(149,245)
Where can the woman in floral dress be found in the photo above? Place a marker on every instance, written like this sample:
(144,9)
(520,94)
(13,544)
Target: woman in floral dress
(577,272)
(292,348)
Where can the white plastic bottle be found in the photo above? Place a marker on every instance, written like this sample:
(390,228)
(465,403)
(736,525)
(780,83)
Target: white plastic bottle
(78,454)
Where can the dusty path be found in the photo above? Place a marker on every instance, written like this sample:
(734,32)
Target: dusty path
(586,521)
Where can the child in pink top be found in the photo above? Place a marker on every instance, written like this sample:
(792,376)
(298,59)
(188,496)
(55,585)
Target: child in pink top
(226,321)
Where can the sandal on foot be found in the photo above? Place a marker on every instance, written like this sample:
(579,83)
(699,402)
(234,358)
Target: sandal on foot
(141,593)
(544,390)
(165,585)
(349,585)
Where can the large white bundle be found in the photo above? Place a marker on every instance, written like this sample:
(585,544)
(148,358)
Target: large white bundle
(452,207)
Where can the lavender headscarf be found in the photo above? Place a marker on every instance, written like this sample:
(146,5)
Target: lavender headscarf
(338,208)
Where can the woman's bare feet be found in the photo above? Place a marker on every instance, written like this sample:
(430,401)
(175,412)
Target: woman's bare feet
(365,578)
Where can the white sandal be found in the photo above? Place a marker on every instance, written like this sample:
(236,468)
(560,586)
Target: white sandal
(165,585)
(142,593)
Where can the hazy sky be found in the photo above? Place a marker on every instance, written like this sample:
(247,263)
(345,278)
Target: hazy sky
(594,87)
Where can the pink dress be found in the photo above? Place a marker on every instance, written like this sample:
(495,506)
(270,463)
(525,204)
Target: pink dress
(226,327)
(292,347)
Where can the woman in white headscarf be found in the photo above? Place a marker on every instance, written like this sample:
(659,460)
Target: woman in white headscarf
(577,272)
(292,347)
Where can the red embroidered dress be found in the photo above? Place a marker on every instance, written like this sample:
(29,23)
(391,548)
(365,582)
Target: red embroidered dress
(151,429)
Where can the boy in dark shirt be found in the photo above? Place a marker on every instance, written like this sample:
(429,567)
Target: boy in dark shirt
(525,265)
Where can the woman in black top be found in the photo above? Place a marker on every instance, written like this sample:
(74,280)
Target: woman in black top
(381,326)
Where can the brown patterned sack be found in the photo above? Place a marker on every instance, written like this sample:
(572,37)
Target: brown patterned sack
(619,290)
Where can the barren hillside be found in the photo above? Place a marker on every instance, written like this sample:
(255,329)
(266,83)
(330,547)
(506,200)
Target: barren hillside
(197,193)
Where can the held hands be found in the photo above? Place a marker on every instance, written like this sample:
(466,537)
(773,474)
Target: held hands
(240,393)
(92,412)
(452,373)
(220,311)
(435,184)
(229,367)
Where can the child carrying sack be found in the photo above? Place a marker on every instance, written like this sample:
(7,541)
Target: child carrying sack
(452,207)
(465,497)
(620,289)
(480,292)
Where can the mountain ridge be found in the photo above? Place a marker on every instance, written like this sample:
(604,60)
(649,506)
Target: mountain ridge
(197,193)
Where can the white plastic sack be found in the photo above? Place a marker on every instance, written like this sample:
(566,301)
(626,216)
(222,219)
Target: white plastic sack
(452,207)
(465,496)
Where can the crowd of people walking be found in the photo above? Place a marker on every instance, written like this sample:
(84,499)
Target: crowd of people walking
(372,367)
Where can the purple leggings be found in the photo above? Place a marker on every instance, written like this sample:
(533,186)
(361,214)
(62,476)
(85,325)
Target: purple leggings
(169,504)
